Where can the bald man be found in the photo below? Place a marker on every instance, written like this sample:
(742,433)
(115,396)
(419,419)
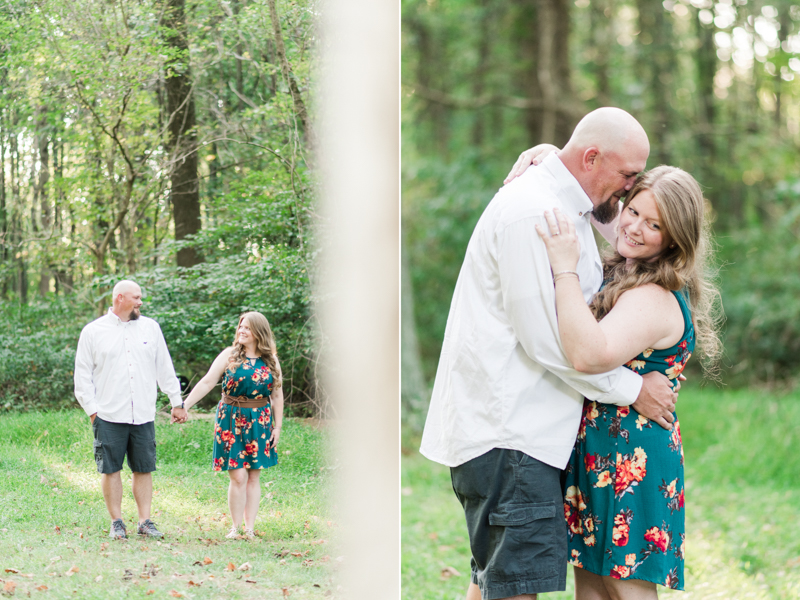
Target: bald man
(121,358)
(506,403)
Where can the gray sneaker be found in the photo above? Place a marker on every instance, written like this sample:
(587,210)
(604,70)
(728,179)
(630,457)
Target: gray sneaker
(118,531)
(148,528)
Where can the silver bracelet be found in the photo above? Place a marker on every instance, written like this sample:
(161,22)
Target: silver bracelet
(560,274)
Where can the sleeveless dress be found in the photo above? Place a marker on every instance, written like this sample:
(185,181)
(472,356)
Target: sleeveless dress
(624,483)
(241,435)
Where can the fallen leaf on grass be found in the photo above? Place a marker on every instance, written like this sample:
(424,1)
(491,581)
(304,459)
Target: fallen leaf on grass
(449,572)
(128,575)
(12,570)
(103,546)
(9,587)
(175,594)
(230,567)
(58,530)
(207,561)
(315,542)
(308,562)
(150,592)
(297,554)
(72,570)
(250,581)
(41,588)
(193,584)
(245,567)
(286,592)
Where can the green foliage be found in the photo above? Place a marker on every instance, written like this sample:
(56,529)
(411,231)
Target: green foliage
(760,285)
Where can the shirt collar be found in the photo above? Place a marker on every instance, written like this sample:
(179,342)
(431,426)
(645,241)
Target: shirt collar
(114,318)
(574,199)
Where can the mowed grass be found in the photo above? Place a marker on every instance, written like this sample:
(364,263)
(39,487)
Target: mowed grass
(742,504)
(54,525)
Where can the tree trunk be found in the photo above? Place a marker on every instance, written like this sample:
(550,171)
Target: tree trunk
(43,140)
(286,69)
(184,181)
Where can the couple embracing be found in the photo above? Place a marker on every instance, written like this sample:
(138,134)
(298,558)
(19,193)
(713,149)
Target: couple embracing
(546,344)
(122,356)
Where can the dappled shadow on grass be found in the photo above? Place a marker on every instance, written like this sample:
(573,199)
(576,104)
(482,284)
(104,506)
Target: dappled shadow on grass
(53,522)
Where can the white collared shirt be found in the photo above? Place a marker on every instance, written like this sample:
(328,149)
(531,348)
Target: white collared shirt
(503,380)
(117,367)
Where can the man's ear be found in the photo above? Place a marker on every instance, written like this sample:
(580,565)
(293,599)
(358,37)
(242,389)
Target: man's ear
(590,158)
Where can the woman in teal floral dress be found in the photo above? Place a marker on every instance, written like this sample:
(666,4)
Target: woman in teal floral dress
(249,415)
(624,500)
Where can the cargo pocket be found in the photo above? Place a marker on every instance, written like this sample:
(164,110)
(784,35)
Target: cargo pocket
(527,545)
(98,455)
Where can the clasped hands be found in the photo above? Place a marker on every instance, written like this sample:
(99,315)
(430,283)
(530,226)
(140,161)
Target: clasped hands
(179,415)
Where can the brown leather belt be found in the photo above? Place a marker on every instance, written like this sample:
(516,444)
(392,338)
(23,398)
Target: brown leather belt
(244,401)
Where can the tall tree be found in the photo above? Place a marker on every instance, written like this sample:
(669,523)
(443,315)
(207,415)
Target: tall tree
(184,182)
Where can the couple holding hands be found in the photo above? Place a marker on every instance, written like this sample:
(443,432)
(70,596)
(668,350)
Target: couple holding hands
(554,397)
(122,357)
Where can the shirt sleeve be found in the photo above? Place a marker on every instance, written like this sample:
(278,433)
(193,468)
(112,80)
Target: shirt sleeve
(165,371)
(529,302)
(85,390)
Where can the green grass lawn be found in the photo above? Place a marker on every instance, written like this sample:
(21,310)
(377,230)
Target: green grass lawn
(742,505)
(54,525)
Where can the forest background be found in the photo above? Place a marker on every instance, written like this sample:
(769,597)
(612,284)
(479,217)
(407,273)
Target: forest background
(165,141)
(716,84)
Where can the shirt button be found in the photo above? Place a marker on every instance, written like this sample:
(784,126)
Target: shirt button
(580,214)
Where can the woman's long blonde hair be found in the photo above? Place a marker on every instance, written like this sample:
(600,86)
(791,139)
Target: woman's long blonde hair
(685,264)
(265,345)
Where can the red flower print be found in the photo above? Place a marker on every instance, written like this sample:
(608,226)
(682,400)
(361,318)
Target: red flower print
(623,411)
(574,523)
(680,499)
(218,462)
(227,436)
(251,448)
(658,537)
(631,469)
(622,529)
(590,540)
(620,572)
(233,464)
(589,461)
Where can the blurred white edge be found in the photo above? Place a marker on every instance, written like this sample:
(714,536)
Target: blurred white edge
(357,110)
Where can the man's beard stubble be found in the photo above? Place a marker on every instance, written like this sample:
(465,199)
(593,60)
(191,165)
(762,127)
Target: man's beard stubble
(607,211)
(135,314)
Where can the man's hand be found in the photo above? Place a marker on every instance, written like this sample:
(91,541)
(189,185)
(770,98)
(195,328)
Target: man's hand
(92,417)
(657,400)
(179,415)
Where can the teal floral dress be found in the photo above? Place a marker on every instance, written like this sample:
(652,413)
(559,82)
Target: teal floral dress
(241,435)
(624,500)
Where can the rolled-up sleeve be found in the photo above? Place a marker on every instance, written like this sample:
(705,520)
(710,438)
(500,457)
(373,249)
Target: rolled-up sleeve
(165,371)
(529,301)
(85,390)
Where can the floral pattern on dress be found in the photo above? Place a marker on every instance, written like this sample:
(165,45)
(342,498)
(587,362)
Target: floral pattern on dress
(241,435)
(624,501)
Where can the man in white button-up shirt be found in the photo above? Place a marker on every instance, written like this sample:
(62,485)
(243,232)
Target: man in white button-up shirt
(506,403)
(121,358)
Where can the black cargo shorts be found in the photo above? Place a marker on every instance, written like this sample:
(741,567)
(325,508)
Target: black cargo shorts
(515,516)
(114,441)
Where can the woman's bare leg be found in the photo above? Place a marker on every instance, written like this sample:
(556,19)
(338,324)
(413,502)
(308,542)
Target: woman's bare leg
(237,495)
(253,498)
(630,589)
(589,586)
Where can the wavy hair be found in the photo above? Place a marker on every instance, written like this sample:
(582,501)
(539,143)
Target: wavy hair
(685,264)
(265,345)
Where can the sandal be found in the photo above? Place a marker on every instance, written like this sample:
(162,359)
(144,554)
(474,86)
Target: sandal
(249,534)
(233,533)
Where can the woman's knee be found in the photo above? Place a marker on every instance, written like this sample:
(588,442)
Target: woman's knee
(238,476)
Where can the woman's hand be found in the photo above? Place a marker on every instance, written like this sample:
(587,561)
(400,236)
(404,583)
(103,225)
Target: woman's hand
(532,156)
(563,247)
(276,435)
